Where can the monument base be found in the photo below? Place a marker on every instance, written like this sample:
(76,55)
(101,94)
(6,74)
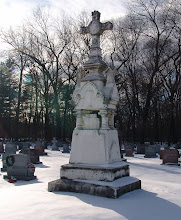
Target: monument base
(26,178)
(99,188)
(105,172)
(108,180)
(96,147)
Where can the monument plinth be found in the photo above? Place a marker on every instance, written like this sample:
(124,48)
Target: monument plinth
(95,165)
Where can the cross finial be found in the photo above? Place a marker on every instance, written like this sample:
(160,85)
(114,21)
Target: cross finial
(95,29)
(96,15)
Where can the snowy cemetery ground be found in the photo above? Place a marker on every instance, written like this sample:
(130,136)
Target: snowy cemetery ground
(159,198)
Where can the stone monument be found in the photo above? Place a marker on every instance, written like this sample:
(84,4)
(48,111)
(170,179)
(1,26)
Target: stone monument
(150,151)
(33,154)
(55,144)
(1,148)
(20,167)
(10,148)
(66,148)
(95,165)
(170,156)
(129,151)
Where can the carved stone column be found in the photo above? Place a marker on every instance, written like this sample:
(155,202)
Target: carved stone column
(111,115)
(104,116)
(78,114)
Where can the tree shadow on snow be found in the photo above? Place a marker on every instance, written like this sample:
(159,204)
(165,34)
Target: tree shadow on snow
(136,205)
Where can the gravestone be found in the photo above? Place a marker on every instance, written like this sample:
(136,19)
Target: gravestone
(170,156)
(141,149)
(20,145)
(55,144)
(9,149)
(161,153)
(26,145)
(1,148)
(59,144)
(129,151)
(20,167)
(66,148)
(95,150)
(33,154)
(158,147)
(150,151)
(40,149)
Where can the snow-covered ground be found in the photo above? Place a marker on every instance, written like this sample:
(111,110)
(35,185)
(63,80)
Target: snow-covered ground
(159,198)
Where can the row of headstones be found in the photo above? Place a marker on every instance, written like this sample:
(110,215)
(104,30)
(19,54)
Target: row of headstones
(20,166)
(169,156)
(56,144)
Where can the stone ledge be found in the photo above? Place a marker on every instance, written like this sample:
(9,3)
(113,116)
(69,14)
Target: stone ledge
(98,188)
(94,172)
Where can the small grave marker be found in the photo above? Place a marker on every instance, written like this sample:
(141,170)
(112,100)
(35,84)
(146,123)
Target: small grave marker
(33,154)
(1,148)
(40,150)
(55,144)
(150,151)
(9,149)
(170,156)
(19,167)
(129,151)
(141,149)
(65,148)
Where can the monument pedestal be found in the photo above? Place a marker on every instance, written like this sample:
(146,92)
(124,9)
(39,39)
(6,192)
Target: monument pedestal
(108,180)
(99,188)
(107,172)
(96,146)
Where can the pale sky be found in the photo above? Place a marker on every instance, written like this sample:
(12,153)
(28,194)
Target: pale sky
(12,12)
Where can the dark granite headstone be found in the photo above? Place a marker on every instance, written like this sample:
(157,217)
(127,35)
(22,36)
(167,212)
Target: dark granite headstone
(129,151)
(33,154)
(1,148)
(158,147)
(150,151)
(141,149)
(21,168)
(9,149)
(170,156)
(161,153)
(65,148)
(26,145)
(40,150)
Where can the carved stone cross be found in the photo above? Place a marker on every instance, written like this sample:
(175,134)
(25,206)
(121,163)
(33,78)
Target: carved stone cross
(95,29)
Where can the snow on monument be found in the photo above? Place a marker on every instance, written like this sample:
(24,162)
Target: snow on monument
(95,165)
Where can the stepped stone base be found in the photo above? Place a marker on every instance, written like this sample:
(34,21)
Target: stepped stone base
(108,180)
(99,188)
(105,172)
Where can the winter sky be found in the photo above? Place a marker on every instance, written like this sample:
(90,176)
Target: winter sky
(12,12)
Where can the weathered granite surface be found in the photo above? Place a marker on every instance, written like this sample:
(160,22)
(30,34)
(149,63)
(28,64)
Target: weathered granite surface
(113,190)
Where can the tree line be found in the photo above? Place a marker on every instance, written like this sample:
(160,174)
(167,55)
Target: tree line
(38,73)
